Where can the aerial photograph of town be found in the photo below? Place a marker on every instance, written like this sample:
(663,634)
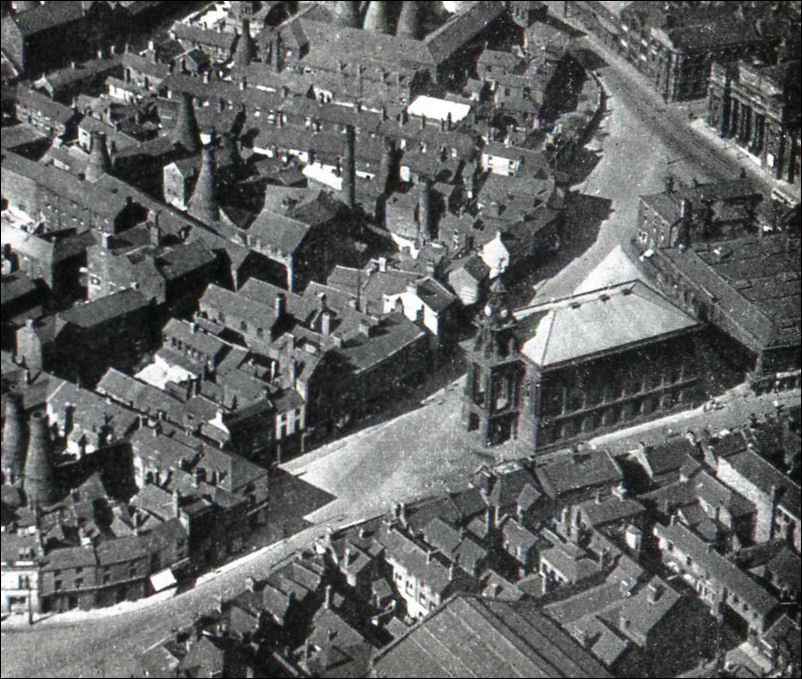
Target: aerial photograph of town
(401,339)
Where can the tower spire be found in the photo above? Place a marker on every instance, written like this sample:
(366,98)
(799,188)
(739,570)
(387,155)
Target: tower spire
(203,203)
(40,474)
(186,126)
(13,461)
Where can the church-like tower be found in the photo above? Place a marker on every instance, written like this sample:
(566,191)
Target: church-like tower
(492,396)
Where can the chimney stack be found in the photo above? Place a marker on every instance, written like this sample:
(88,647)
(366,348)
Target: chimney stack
(349,168)
(425,209)
(327,598)
(203,203)
(40,474)
(276,53)
(280,305)
(155,230)
(13,460)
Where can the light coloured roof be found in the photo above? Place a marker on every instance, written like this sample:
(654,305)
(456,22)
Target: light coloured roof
(600,321)
(438,109)
(615,268)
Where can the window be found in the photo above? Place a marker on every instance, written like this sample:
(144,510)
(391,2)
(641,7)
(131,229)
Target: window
(243,326)
(57,585)
(79,582)
(24,582)
(106,578)
(79,570)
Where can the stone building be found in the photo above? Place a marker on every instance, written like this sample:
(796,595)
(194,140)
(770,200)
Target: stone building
(757,106)
(674,43)
(569,368)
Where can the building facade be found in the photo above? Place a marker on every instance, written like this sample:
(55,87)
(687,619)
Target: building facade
(757,106)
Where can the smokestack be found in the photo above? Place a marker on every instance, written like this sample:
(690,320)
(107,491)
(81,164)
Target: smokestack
(377,18)
(386,176)
(186,126)
(203,203)
(349,168)
(40,475)
(245,49)
(13,461)
(425,209)
(347,14)
(410,23)
(99,162)
(276,49)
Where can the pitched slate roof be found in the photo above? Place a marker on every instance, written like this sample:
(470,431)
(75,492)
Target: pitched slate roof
(727,574)
(44,104)
(474,637)
(45,17)
(596,469)
(603,321)
(104,309)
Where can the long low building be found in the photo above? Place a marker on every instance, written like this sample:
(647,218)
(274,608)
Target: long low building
(475,637)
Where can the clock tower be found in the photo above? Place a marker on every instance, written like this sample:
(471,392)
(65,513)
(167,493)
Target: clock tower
(491,401)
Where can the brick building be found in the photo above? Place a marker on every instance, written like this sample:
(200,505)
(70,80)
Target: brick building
(714,250)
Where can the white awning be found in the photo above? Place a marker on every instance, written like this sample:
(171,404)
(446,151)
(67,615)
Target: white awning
(162,580)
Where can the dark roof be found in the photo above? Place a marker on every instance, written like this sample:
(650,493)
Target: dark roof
(474,637)
(765,476)
(218,39)
(727,574)
(51,15)
(16,286)
(279,231)
(44,104)
(461,29)
(578,472)
(99,311)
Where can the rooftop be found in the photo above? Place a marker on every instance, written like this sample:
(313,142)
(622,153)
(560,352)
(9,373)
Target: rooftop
(585,325)
(474,637)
